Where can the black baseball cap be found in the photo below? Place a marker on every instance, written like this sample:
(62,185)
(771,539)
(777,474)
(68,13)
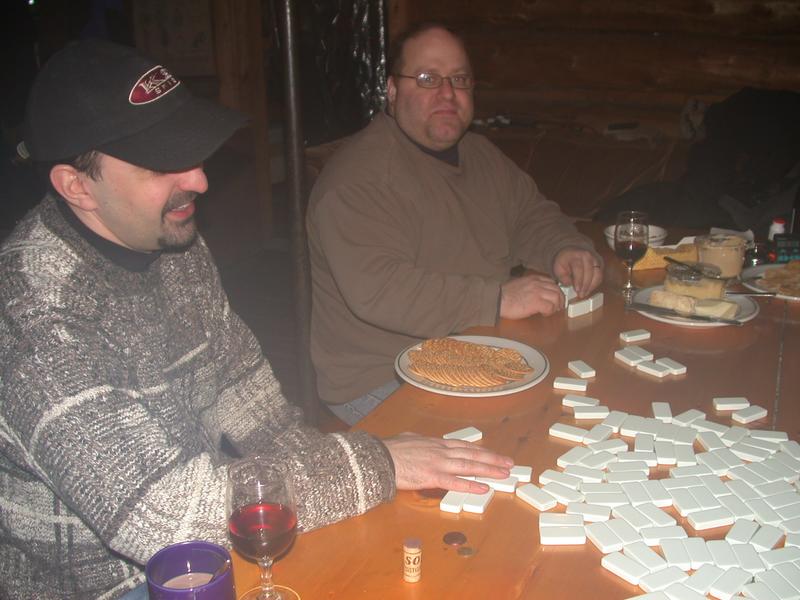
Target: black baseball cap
(95,95)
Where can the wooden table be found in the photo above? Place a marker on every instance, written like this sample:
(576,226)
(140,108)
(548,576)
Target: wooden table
(361,557)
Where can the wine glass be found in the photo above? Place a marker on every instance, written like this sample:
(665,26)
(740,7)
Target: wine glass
(630,244)
(262,519)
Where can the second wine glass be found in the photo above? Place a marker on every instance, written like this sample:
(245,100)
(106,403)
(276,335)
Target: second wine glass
(630,244)
(262,519)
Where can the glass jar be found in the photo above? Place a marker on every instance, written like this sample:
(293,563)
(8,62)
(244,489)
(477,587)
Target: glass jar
(687,282)
(723,251)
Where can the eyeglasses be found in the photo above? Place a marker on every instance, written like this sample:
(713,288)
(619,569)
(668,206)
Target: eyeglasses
(434,80)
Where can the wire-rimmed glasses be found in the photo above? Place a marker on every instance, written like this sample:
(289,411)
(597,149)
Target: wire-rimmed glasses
(460,81)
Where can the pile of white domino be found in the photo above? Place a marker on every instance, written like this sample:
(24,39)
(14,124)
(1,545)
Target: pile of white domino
(610,499)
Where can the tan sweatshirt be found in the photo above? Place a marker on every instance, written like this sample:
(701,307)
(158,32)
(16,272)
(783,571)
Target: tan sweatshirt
(405,246)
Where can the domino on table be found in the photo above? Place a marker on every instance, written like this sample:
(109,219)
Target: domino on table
(569,293)
(741,532)
(573,456)
(552,476)
(589,513)
(624,567)
(734,435)
(749,559)
(679,591)
(766,538)
(452,502)
(779,585)
(769,435)
(610,499)
(508,485)
(687,417)
(634,335)
(710,441)
(710,518)
(698,552)
(533,495)
(653,368)
(661,580)
(521,473)
(567,432)
(616,418)
(722,554)
(569,535)
(581,369)
(730,403)
(729,583)
(477,503)
(653,536)
(571,400)
(674,366)
(675,554)
(590,412)
(633,517)
(623,531)
(598,460)
(614,446)
(701,580)
(657,517)
(792,448)
(749,414)
(646,556)
(598,433)
(562,493)
(559,520)
(758,590)
(601,536)
(641,352)
(662,411)
(628,465)
(569,383)
(467,434)
(628,356)
(585,474)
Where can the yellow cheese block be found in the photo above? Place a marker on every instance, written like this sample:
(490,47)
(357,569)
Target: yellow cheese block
(654,257)
(716,308)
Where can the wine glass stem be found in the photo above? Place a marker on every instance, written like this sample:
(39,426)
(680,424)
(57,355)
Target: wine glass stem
(629,284)
(267,589)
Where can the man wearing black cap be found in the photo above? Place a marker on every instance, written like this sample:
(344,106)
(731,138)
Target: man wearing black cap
(127,383)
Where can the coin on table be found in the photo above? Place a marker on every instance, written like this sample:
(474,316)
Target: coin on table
(454,538)
(466,551)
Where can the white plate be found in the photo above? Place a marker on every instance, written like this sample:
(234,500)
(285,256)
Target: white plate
(750,279)
(748,309)
(535,359)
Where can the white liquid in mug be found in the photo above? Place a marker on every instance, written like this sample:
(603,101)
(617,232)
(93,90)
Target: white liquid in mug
(188,581)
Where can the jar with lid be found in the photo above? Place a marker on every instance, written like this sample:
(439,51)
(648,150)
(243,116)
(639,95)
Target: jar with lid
(708,283)
(723,251)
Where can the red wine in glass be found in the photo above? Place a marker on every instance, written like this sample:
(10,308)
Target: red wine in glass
(630,244)
(262,519)
(629,251)
(261,530)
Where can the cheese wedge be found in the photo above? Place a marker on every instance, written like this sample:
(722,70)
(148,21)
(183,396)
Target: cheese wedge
(654,257)
(716,308)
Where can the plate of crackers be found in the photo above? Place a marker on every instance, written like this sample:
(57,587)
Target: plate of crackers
(784,279)
(472,366)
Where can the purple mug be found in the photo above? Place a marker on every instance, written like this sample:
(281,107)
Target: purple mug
(190,571)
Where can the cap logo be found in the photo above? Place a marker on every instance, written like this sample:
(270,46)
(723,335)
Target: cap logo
(151,86)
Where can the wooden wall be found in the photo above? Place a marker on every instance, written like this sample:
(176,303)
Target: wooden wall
(613,60)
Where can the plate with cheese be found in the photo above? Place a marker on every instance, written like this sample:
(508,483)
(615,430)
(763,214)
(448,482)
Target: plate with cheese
(783,279)
(741,308)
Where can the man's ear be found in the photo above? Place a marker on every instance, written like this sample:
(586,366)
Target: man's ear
(71,185)
(391,93)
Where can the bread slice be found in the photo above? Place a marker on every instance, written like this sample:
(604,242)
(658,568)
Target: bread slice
(654,257)
(676,302)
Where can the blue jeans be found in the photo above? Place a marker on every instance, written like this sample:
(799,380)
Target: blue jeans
(137,593)
(355,410)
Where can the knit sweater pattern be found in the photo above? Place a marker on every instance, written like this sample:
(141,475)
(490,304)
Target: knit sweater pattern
(117,388)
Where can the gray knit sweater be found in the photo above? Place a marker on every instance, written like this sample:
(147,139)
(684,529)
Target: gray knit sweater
(116,389)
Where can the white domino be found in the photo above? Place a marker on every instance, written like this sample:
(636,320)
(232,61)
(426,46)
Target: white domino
(590,413)
(567,432)
(614,446)
(628,356)
(559,520)
(521,473)
(452,502)
(698,552)
(569,294)
(661,580)
(766,538)
(615,419)
(679,591)
(589,513)
(646,556)
(662,411)
(477,503)
(611,499)
(734,435)
(749,414)
(641,353)
(675,554)
(758,590)
(571,400)
(581,369)
(710,441)
(686,418)
(467,434)
(634,335)
(585,474)
(702,579)
(624,567)
(580,308)
(730,583)
(730,403)
(722,554)
(741,532)
(643,442)
(569,535)
(552,476)
(674,366)
(598,433)
(653,536)
(710,518)
(769,435)
(657,517)
(623,531)
(748,557)
(573,456)
(562,493)
(507,485)
(653,368)
(603,538)
(533,495)
(570,383)
(658,493)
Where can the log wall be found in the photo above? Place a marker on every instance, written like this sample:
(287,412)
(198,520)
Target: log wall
(607,60)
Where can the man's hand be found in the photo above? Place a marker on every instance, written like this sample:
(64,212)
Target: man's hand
(579,268)
(425,462)
(529,295)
